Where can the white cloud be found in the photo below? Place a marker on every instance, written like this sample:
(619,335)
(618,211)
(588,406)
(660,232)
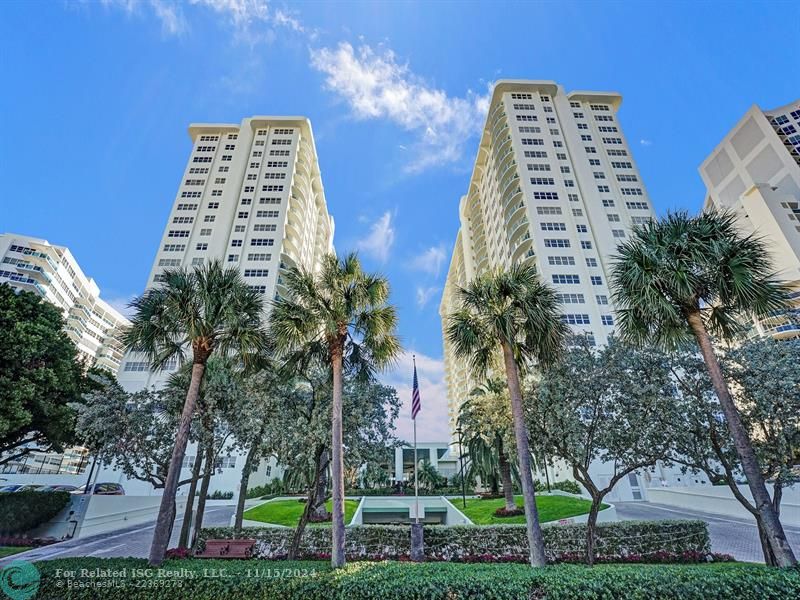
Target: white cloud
(378,242)
(376,86)
(120,304)
(425,294)
(644,142)
(432,423)
(168,13)
(430,261)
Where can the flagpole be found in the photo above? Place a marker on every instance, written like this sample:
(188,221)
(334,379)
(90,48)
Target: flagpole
(416,482)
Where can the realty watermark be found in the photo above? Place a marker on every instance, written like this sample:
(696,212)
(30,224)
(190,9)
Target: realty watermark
(19,580)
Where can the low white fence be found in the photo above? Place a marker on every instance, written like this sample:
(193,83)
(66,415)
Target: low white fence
(720,500)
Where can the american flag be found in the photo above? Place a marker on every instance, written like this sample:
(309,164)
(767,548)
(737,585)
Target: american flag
(415,402)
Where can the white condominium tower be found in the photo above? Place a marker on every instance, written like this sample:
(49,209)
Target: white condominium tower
(755,172)
(251,195)
(35,265)
(555,185)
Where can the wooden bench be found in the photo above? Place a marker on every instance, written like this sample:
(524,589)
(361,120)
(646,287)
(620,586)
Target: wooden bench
(227,549)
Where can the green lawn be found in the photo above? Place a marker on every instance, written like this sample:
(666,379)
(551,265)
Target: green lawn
(551,508)
(9,550)
(288,512)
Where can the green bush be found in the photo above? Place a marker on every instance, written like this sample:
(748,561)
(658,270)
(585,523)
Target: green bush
(390,491)
(566,486)
(218,495)
(306,580)
(466,542)
(23,511)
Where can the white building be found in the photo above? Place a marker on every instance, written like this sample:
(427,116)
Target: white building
(555,185)
(35,265)
(755,172)
(251,195)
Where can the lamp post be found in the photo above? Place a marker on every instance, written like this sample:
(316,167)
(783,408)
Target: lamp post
(461,460)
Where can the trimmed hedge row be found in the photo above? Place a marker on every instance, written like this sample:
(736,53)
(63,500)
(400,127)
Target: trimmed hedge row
(65,579)
(23,511)
(466,542)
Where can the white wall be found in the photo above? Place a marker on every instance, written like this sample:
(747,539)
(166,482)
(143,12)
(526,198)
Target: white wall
(720,500)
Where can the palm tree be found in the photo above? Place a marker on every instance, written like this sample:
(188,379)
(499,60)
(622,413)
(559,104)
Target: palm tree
(343,315)
(485,419)
(687,278)
(514,312)
(428,476)
(192,315)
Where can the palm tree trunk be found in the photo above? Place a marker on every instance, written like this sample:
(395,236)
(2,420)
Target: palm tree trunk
(535,541)
(772,525)
(187,515)
(508,483)
(248,467)
(337,465)
(201,501)
(166,510)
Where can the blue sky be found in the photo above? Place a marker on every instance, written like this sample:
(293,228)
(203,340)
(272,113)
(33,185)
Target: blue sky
(98,96)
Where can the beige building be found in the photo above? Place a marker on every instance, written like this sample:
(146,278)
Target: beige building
(554,184)
(755,172)
(252,196)
(35,265)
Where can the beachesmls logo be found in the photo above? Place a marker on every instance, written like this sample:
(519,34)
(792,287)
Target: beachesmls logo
(19,580)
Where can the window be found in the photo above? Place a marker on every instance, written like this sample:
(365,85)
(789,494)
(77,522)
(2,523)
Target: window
(227,157)
(561,261)
(586,138)
(194,182)
(256,272)
(182,220)
(136,367)
(267,213)
(613,152)
(603,188)
(565,169)
(538,167)
(524,107)
(594,162)
(626,177)
(277,163)
(213,205)
(174,247)
(269,200)
(608,203)
(516,96)
(239,228)
(607,319)
(570,298)
(169,262)
(274,175)
(591,150)
(224,169)
(603,107)
(558,144)
(583,126)
(612,140)
(637,205)
(263,227)
(577,212)
(271,188)
(574,104)
(549,226)
(561,156)
(178,233)
(246,201)
(548,210)
(202,159)
(236,243)
(281,142)
(191,194)
(556,243)
(596,280)
(535,154)
(532,142)
(197,262)
(243,214)
(233,258)
(566,279)
(578,115)
(209,218)
(542,181)
(216,192)
(528,118)
(613,218)
(205,232)
(581,319)
(603,118)
(569,183)
(601,299)
(279,152)
(554,132)
(591,262)
(262,242)
(631,192)
(529,129)
(201,246)
(572,197)
(545,195)
(607,129)
(259,256)
(618,233)
(599,175)
(621,165)
(582,229)
(586,244)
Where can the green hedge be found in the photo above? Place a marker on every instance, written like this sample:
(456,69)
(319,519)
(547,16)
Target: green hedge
(390,491)
(305,580)
(23,511)
(470,542)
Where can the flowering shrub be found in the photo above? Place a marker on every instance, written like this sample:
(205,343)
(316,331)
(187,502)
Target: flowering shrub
(178,553)
(624,541)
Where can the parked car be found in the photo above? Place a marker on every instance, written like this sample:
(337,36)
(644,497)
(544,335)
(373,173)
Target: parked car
(58,488)
(30,487)
(10,488)
(102,489)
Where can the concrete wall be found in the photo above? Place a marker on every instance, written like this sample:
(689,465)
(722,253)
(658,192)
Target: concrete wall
(109,513)
(720,500)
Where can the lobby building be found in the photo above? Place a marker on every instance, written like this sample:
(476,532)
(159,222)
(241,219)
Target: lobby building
(755,173)
(554,185)
(35,265)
